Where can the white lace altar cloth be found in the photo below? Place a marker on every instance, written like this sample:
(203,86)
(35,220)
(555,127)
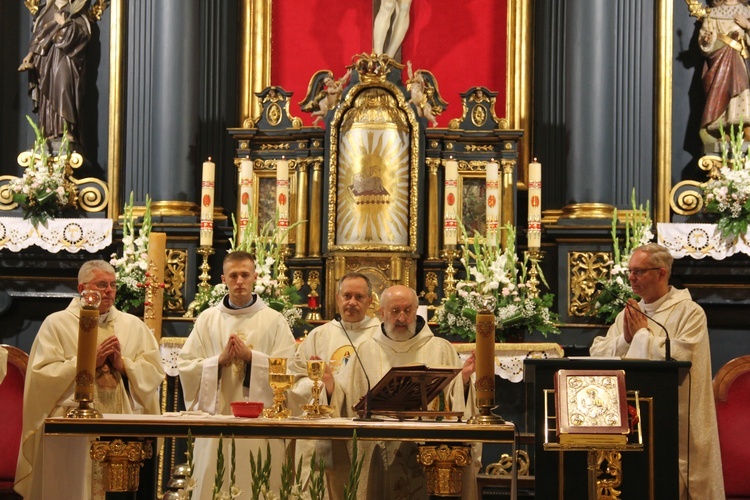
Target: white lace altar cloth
(170,348)
(71,235)
(509,356)
(699,241)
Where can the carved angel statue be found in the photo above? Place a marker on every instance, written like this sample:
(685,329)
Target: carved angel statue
(419,90)
(327,92)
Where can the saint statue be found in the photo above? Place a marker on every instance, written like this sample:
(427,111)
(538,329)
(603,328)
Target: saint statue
(724,38)
(55,62)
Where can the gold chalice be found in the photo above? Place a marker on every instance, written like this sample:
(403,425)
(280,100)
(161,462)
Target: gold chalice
(315,370)
(280,383)
(277,365)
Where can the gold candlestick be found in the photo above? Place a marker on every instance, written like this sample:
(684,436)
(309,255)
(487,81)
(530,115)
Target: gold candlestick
(534,255)
(449,281)
(88,329)
(205,275)
(283,251)
(485,372)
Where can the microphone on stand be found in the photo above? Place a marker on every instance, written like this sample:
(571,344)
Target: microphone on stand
(368,411)
(602,287)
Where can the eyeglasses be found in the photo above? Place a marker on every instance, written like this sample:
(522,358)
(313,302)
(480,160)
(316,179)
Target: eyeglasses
(640,272)
(102,285)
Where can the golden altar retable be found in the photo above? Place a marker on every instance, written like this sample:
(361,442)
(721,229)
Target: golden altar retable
(67,441)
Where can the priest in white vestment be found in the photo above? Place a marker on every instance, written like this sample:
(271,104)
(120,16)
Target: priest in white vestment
(128,375)
(225,359)
(390,469)
(329,342)
(634,336)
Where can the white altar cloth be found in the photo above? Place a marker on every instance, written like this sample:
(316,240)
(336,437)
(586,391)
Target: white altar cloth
(71,235)
(699,241)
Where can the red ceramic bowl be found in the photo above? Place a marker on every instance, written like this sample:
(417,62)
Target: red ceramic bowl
(247,409)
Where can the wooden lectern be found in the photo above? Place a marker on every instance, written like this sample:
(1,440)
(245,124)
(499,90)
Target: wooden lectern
(406,392)
(651,474)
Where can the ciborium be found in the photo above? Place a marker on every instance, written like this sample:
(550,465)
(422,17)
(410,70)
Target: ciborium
(88,332)
(315,370)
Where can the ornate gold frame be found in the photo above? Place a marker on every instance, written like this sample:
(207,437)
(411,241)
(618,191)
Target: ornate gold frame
(341,110)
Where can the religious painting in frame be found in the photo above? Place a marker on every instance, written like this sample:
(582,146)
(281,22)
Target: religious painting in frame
(373,170)
(264,194)
(472,203)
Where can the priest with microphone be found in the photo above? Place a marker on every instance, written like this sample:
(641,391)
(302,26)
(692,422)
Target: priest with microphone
(642,330)
(334,343)
(390,469)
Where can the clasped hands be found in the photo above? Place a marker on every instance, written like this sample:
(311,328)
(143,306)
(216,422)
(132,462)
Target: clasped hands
(236,349)
(633,321)
(110,350)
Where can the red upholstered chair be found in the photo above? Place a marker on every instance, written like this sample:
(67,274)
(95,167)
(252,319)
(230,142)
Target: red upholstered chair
(732,394)
(11,410)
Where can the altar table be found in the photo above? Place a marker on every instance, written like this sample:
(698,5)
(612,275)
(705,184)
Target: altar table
(66,441)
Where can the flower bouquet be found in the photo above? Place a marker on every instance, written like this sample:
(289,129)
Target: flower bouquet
(609,302)
(728,195)
(131,268)
(44,190)
(500,285)
(263,244)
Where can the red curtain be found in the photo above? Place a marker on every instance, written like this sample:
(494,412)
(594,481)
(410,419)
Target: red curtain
(462,42)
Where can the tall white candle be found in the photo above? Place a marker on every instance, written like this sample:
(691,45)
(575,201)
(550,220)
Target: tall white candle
(246,195)
(207,203)
(493,202)
(282,199)
(535,205)
(450,227)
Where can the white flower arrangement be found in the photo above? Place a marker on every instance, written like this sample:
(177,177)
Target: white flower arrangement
(131,268)
(500,285)
(728,195)
(44,190)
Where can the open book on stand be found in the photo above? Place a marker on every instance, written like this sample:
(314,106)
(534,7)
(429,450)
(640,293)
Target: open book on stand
(406,391)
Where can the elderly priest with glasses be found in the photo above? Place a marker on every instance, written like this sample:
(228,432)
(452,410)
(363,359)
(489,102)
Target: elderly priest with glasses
(636,334)
(128,375)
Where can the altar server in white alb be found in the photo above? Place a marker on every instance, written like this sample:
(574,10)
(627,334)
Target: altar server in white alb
(635,336)
(329,342)
(225,359)
(128,375)
(390,469)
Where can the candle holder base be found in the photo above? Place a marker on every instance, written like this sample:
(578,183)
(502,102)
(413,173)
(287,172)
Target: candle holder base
(486,417)
(83,411)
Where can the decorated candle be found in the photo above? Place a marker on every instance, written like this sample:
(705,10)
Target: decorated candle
(485,359)
(88,330)
(282,199)
(450,227)
(207,203)
(246,194)
(493,202)
(535,205)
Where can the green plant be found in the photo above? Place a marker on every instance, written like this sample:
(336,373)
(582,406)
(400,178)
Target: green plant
(352,485)
(317,489)
(260,472)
